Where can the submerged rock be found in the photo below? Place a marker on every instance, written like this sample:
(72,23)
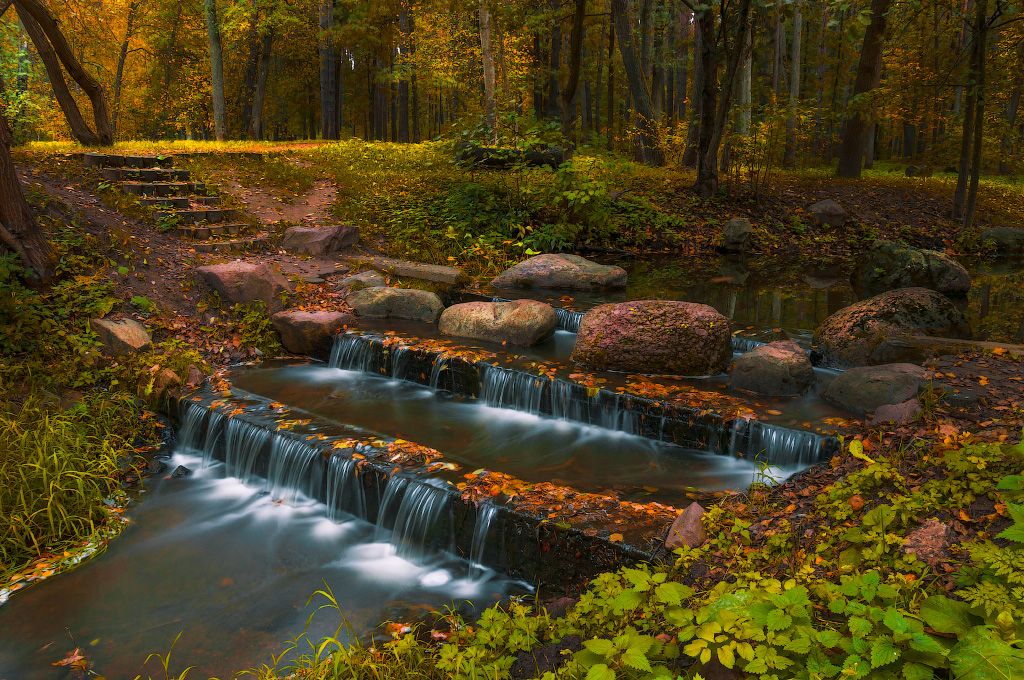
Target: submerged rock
(241,282)
(688,529)
(777,369)
(319,240)
(862,390)
(309,333)
(561,271)
(396,303)
(121,336)
(888,266)
(519,322)
(857,335)
(829,212)
(654,336)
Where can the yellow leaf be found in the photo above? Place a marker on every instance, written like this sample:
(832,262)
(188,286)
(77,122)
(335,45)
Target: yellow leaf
(615,538)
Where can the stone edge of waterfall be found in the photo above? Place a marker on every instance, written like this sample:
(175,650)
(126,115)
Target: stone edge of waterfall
(684,426)
(525,545)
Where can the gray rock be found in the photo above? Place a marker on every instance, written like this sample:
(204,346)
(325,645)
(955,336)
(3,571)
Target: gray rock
(897,414)
(519,322)
(406,269)
(309,333)
(736,234)
(367,279)
(776,369)
(181,471)
(688,529)
(241,282)
(319,240)
(862,390)
(563,272)
(396,303)
(121,336)
(829,212)
(859,335)
(889,266)
(654,336)
(1006,240)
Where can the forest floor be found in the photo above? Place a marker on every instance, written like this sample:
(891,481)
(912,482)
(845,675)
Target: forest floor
(414,202)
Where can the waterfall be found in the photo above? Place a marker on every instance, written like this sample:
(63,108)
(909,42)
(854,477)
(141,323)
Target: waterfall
(437,369)
(568,320)
(782,446)
(243,444)
(355,353)
(742,345)
(416,506)
(192,417)
(345,492)
(485,514)
(400,359)
(290,471)
(508,388)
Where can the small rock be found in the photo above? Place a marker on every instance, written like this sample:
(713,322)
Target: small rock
(776,369)
(120,337)
(155,467)
(309,333)
(241,282)
(929,543)
(829,212)
(903,413)
(865,389)
(688,529)
(396,303)
(563,272)
(736,235)
(406,269)
(319,240)
(165,383)
(195,376)
(367,279)
(519,322)
(181,471)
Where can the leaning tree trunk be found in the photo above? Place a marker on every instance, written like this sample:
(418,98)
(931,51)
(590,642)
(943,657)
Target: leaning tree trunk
(487,52)
(869,71)
(651,152)
(55,51)
(216,69)
(19,231)
(568,95)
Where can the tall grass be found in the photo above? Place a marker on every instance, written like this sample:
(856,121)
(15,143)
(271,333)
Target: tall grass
(57,466)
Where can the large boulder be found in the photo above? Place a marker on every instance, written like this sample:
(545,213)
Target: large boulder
(319,240)
(309,333)
(382,302)
(519,322)
(241,282)
(859,334)
(888,266)
(654,336)
(776,369)
(121,336)
(560,271)
(829,212)
(736,235)
(864,389)
(1005,240)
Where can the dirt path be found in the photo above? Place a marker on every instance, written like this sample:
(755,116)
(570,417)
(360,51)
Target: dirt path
(313,207)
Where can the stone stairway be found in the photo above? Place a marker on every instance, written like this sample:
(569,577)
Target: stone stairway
(180,204)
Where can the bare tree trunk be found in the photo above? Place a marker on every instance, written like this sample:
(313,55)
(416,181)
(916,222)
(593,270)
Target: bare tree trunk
(610,145)
(216,68)
(122,58)
(487,51)
(1006,143)
(795,64)
(968,132)
(981,46)
(696,98)
(778,47)
(554,61)
(260,91)
(745,100)
(869,71)
(19,231)
(569,92)
(651,152)
(328,78)
(55,51)
(405,26)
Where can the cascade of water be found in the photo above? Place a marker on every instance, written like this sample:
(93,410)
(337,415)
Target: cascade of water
(437,371)
(485,514)
(214,432)
(416,507)
(243,443)
(781,446)
(344,488)
(354,352)
(507,388)
(615,417)
(290,471)
(741,345)
(192,417)
(400,358)
(568,320)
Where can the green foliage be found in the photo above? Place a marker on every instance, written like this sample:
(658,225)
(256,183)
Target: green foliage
(252,323)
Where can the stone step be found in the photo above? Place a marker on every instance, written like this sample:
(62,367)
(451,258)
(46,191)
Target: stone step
(189,216)
(162,189)
(238,245)
(104,160)
(180,202)
(146,174)
(201,232)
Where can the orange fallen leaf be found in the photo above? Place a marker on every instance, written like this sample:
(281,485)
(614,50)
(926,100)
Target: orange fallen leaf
(615,538)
